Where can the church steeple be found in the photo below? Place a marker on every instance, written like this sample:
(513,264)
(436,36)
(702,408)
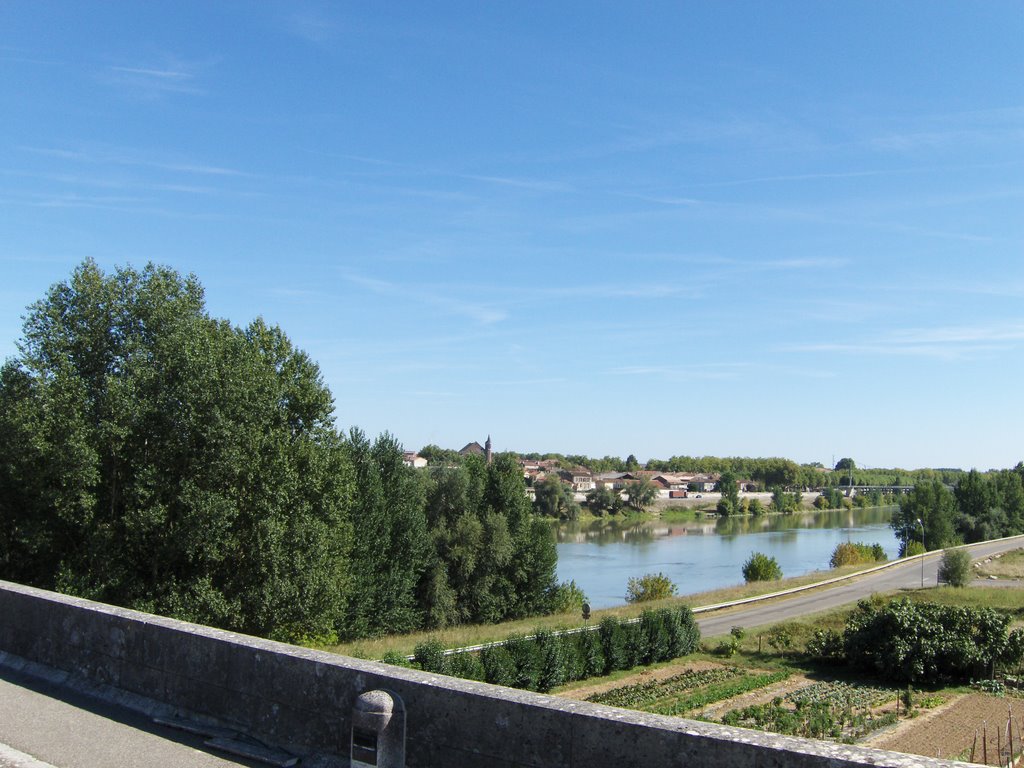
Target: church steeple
(487,449)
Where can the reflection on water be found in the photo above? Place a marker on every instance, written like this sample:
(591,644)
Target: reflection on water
(708,553)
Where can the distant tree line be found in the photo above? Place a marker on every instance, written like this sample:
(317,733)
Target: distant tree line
(154,457)
(765,473)
(979,507)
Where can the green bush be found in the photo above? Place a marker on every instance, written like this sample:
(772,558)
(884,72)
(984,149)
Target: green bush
(826,645)
(465,665)
(955,568)
(526,657)
(652,586)
(613,644)
(760,567)
(396,659)
(683,632)
(429,655)
(499,666)
(929,643)
(550,660)
(567,597)
(591,654)
(655,636)
(855,553)
(634,644)
(913,548)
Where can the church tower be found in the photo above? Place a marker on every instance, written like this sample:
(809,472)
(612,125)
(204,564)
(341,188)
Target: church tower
(487,449)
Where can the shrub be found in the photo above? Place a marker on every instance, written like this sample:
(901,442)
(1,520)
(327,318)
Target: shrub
(550,660)
(684,634)
(613,645)
(527,659)
(821,502)
(465,665)
(928,643)
(780,638)
(499,666)
(634,645)
(591,654)
(429,655)
(396,659)
(913,548)
(955,568)
(567,597)
(756,508)
(826,645)
(655,637)
(760,567)
(851,553)
(652,586)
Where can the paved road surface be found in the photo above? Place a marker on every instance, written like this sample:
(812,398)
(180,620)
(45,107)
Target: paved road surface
(899,576)
(42,725)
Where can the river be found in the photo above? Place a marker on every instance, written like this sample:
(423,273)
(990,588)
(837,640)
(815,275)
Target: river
(698,555)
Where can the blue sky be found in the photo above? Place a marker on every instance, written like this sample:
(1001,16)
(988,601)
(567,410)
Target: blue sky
(743,228)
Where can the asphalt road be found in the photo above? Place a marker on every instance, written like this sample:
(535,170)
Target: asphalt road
(898,576)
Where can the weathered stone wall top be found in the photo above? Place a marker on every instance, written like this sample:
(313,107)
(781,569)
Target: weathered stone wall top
(302,699)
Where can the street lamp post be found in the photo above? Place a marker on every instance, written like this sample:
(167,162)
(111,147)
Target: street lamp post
(924,548)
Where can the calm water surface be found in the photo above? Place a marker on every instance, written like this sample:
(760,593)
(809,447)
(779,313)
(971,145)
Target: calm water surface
(699,555)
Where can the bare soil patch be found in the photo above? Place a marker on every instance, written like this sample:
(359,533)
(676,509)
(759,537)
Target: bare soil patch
(949,731)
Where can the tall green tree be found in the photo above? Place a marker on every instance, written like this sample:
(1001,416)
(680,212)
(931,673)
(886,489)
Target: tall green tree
(157,458)
(390,551)
(640,494)
(935,506)
(555,499)
(728,487)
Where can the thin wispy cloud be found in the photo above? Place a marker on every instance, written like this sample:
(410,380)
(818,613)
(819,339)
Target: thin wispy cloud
(949,343)
(312,27)
(699,372)
(127,157)
(539,185)
(152,82)
(485,314)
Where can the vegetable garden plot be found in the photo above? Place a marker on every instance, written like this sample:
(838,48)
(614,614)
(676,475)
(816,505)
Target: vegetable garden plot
(824,710)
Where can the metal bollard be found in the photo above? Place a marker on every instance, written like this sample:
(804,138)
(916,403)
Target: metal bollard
(378,731)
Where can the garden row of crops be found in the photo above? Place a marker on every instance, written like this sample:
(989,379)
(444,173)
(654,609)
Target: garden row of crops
(636,696)
(716,692)
(824,710)
(689,690)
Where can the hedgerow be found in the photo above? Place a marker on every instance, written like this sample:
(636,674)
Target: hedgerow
(547,660)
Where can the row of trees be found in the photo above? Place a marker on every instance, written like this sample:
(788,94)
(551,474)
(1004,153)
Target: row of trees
(155,457)
(980,507)
(548,659)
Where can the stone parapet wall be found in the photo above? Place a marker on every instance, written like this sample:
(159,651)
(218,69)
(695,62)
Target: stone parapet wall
(302,700)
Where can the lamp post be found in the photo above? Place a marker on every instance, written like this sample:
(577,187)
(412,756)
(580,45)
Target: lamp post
(921,523)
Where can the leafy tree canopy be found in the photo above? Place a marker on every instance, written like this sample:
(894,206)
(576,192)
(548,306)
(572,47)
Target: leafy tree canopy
(158,458)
